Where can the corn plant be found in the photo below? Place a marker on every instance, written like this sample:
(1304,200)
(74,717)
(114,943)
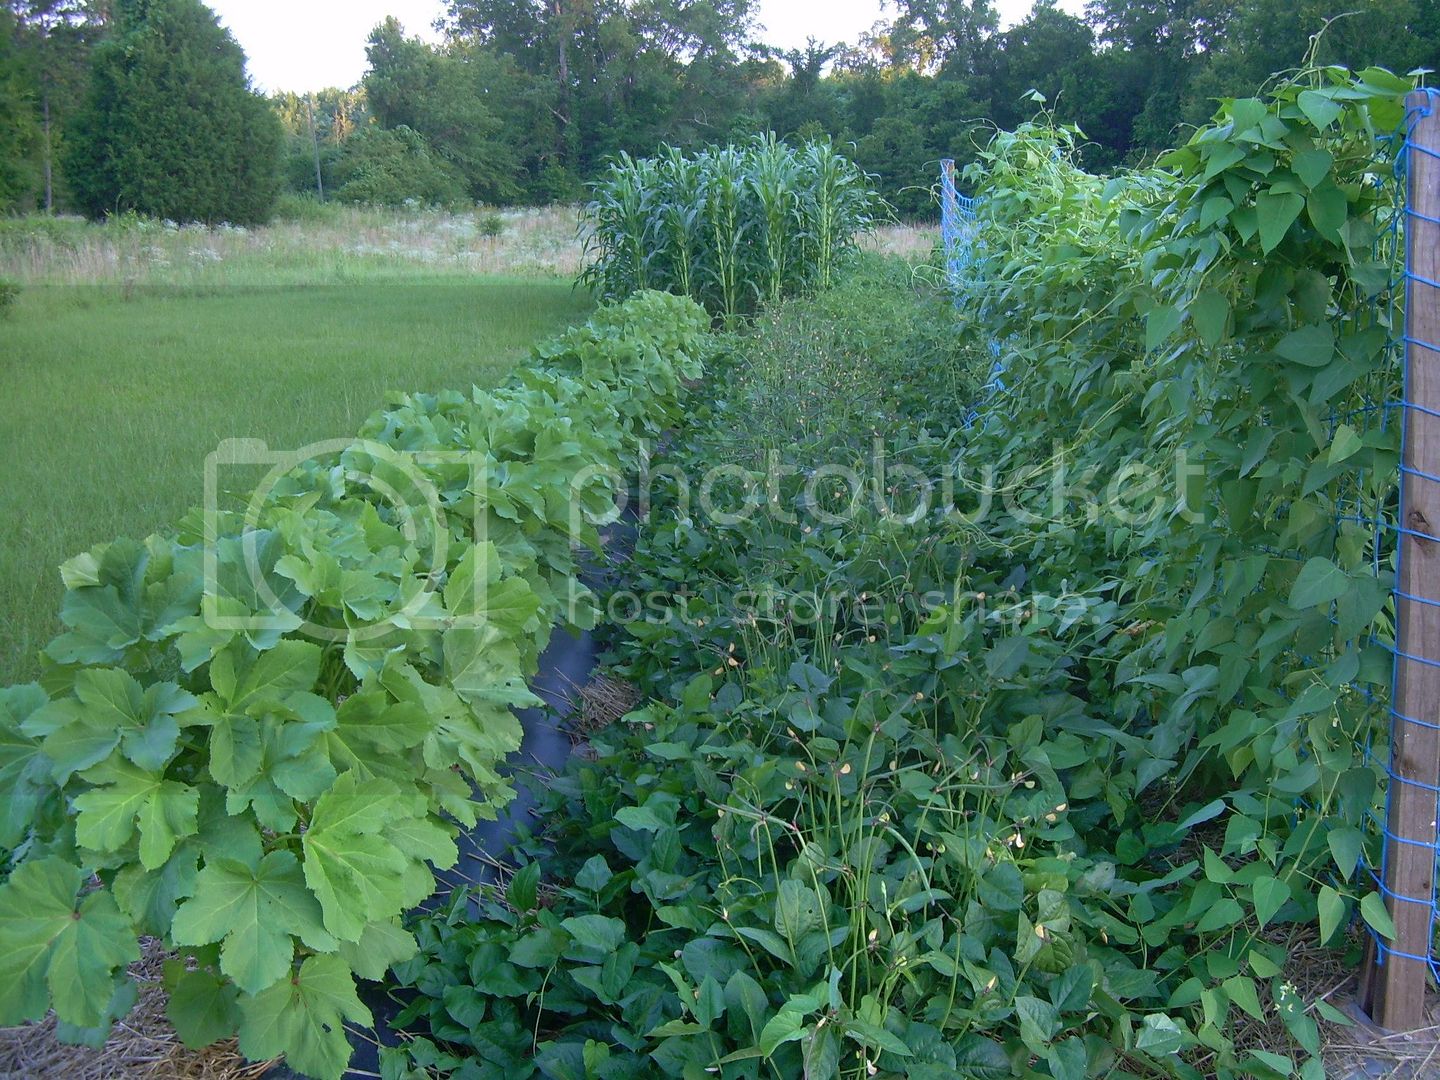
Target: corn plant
(839,203)
(775,184)
(729,226)
(681,218)
(622,239)
(725,219)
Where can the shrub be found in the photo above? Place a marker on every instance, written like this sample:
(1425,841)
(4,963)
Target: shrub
(9,293)
(393,167)
(19,233)
(305,209)
(298,164)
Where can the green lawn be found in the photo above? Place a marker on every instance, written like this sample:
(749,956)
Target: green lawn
(111,404)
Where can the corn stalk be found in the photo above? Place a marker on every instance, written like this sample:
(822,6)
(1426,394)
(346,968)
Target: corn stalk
(728,226)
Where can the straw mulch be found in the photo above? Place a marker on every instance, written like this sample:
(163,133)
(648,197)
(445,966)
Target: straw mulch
(142,1046)
(603,701)
(1355,1051)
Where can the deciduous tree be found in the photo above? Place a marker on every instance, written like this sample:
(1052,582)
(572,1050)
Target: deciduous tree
(18,135)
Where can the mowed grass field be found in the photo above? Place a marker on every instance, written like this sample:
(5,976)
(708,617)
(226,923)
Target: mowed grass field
(114,394)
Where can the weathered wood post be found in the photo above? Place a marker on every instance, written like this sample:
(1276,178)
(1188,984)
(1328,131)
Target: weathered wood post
(1395,976)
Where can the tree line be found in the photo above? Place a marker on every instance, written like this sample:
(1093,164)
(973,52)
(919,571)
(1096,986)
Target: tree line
(103,104)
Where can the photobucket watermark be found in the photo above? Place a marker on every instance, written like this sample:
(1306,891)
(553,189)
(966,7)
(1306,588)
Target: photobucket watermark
(1134,494)
(415,489)
(280,564)
(857,612)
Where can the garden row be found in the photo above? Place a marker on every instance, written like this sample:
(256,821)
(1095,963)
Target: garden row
(260,732)
(1035,748)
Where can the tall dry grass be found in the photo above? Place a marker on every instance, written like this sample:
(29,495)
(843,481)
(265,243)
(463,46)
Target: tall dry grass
(336,245)
(332,245)
(911,242)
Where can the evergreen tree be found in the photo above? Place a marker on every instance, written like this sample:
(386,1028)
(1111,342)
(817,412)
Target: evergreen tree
(171,127)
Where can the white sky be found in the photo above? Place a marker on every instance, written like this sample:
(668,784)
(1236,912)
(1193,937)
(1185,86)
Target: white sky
(311,44)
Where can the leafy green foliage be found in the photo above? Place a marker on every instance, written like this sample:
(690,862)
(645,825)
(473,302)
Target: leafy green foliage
(728,226)
(390,167)
(170,127)
(459,102)
(59,947)
(18,131)
(1229,312)
(1039,784)
(304,1018)
(806,863)
(525,101)
(264,766)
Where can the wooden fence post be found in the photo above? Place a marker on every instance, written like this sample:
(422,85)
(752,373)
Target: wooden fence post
(1394,982)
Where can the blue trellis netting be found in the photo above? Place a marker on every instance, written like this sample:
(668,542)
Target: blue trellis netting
(959,228)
